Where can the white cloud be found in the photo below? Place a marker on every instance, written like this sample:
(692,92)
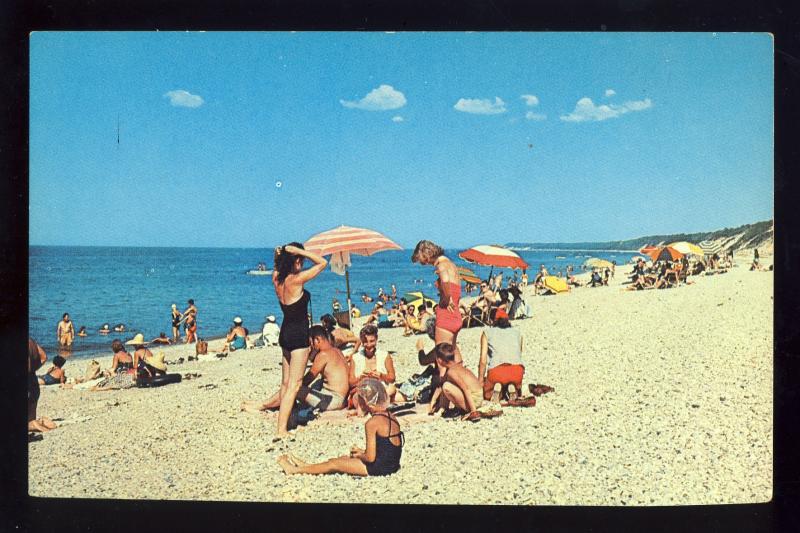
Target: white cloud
(610,92)
(397,118)
(530,115)
(383,98)
(181,98)
(586,110)
(530,99)
(481,107)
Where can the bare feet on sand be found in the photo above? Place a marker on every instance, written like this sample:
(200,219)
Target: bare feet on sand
(252,406)
(42,424)
(288,466)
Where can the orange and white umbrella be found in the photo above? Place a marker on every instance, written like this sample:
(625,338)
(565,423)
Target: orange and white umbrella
(665,253)
(647,249)
(493,256)
(352,240)
(340,242)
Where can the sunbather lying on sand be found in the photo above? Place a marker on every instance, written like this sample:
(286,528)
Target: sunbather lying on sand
(384,445)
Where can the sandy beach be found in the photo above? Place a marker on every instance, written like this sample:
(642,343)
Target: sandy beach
(662,397)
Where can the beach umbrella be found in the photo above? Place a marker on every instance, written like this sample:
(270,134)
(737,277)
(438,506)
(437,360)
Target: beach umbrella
(415,298)
(710,247)
(468,275)
(665,253)
(596,262)
(687,248)
(493,256)
(647,249)
(340,242)
(555,284)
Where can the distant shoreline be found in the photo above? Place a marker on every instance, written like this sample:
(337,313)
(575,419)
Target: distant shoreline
(571,250)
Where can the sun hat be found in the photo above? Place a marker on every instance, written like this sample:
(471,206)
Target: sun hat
(237,320)
(271,318)
(372,391)
(157,361)
(137,339)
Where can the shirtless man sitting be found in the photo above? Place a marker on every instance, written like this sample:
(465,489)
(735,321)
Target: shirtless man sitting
(329,362)
(458,384)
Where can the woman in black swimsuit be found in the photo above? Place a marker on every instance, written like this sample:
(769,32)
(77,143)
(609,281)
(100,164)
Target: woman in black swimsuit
(384,441)
(289,279)
(176,323)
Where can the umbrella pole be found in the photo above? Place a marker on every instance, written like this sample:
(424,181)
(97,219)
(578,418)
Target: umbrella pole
(349,305)
(491,269)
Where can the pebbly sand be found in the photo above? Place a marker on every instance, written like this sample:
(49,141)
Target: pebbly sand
(662,397)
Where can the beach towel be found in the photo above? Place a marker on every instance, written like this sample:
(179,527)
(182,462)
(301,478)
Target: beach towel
(120,380)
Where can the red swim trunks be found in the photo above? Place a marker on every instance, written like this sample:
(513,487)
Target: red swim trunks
(505,374)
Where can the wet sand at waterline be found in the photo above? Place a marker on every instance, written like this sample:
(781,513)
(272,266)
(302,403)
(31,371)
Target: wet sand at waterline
(661,397)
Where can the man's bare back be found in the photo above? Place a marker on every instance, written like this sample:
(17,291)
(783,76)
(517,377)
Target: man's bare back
(331,363)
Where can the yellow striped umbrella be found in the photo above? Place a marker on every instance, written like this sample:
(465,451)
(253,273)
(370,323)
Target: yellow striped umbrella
(687,248)
(468,275)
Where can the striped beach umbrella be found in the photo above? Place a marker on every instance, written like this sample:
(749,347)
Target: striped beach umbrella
(493,256)
(340,242)
(352,240)
(468,275)
(710,247)
(665,253)
(687,248)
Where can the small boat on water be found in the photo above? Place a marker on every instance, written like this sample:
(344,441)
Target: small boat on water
(560,257)
(259,272)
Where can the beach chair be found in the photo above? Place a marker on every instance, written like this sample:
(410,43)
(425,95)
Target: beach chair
(471,319)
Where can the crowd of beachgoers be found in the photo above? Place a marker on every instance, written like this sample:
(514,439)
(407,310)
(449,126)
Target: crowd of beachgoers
(330,367)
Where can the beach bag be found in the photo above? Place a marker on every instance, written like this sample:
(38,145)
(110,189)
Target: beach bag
(300,416)
(201,347)
(425,394)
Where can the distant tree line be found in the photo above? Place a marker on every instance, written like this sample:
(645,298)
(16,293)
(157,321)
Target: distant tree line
(758,233)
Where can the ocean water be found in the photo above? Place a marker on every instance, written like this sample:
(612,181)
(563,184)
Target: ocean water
(136,287)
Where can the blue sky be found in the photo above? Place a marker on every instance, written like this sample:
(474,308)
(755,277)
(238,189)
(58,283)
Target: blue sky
(255,139)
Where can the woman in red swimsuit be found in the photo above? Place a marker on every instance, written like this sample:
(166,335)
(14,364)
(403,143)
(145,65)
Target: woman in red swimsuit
(448,316)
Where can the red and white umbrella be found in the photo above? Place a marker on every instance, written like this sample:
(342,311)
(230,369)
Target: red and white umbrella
(345,240)
(494,256)
(358,241)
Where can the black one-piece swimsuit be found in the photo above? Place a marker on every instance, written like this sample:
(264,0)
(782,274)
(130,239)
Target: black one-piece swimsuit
(294,329)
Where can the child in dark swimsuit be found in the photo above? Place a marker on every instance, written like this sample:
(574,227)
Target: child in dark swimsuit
(384,442)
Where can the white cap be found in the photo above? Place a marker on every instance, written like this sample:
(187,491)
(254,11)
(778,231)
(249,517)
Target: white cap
(271,318)
(237,320)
